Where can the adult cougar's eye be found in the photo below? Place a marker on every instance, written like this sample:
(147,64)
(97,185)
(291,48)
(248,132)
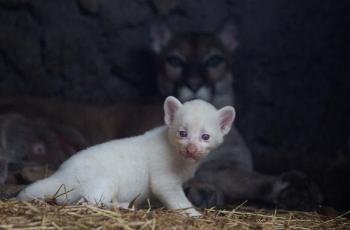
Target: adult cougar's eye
(205,136)
(182,133)
(214,61)
(175,61)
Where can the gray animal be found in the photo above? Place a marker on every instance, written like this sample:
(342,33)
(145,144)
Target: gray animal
(27,143)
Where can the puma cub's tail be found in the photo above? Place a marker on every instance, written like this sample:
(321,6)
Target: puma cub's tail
(47,188)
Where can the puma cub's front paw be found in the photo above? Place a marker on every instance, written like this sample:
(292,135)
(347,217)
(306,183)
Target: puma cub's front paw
(203,195)
(191,212)
(299,192)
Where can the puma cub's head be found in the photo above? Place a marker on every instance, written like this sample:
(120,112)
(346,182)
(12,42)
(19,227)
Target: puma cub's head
(196,127)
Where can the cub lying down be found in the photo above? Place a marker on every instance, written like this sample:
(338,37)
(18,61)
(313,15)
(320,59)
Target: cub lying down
(155,163)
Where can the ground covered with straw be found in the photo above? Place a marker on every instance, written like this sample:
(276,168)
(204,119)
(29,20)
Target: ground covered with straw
(45,215)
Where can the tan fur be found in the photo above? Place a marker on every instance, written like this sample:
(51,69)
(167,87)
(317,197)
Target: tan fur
(198,54)
(98,123)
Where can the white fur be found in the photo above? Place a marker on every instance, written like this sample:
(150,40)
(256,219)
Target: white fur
(204,93)
(118,171)
(186,93)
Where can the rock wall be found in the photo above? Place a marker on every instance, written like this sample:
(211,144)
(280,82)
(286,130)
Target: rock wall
(291,69)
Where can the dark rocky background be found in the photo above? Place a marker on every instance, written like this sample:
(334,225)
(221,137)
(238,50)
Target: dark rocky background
(291,69)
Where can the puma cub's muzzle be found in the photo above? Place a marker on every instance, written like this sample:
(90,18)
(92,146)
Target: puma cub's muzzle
(192,151)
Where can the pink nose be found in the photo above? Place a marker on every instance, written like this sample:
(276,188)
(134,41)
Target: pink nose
(191,148)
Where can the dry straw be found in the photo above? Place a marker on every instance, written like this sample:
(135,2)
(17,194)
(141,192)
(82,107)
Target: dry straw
(46,215)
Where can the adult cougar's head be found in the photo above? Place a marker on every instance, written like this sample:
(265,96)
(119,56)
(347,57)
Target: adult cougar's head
(195,65)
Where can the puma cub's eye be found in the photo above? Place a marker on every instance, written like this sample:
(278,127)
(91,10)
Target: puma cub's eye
(205,137)
(214,61)
(182,133)
(175,61)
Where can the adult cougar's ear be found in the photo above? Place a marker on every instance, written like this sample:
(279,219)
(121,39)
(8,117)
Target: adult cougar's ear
(171,106)
(160,36)
(228,35)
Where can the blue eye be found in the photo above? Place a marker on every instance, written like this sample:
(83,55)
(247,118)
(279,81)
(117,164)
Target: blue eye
(182,133)
(205,137)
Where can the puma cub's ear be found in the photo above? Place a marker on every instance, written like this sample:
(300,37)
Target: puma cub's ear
(228,35)
(171,106)
(226,116)
(160,36)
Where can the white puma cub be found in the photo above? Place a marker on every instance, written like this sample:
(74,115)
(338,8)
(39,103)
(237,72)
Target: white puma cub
(155,163)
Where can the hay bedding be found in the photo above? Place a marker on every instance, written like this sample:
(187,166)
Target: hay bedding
(45,215)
